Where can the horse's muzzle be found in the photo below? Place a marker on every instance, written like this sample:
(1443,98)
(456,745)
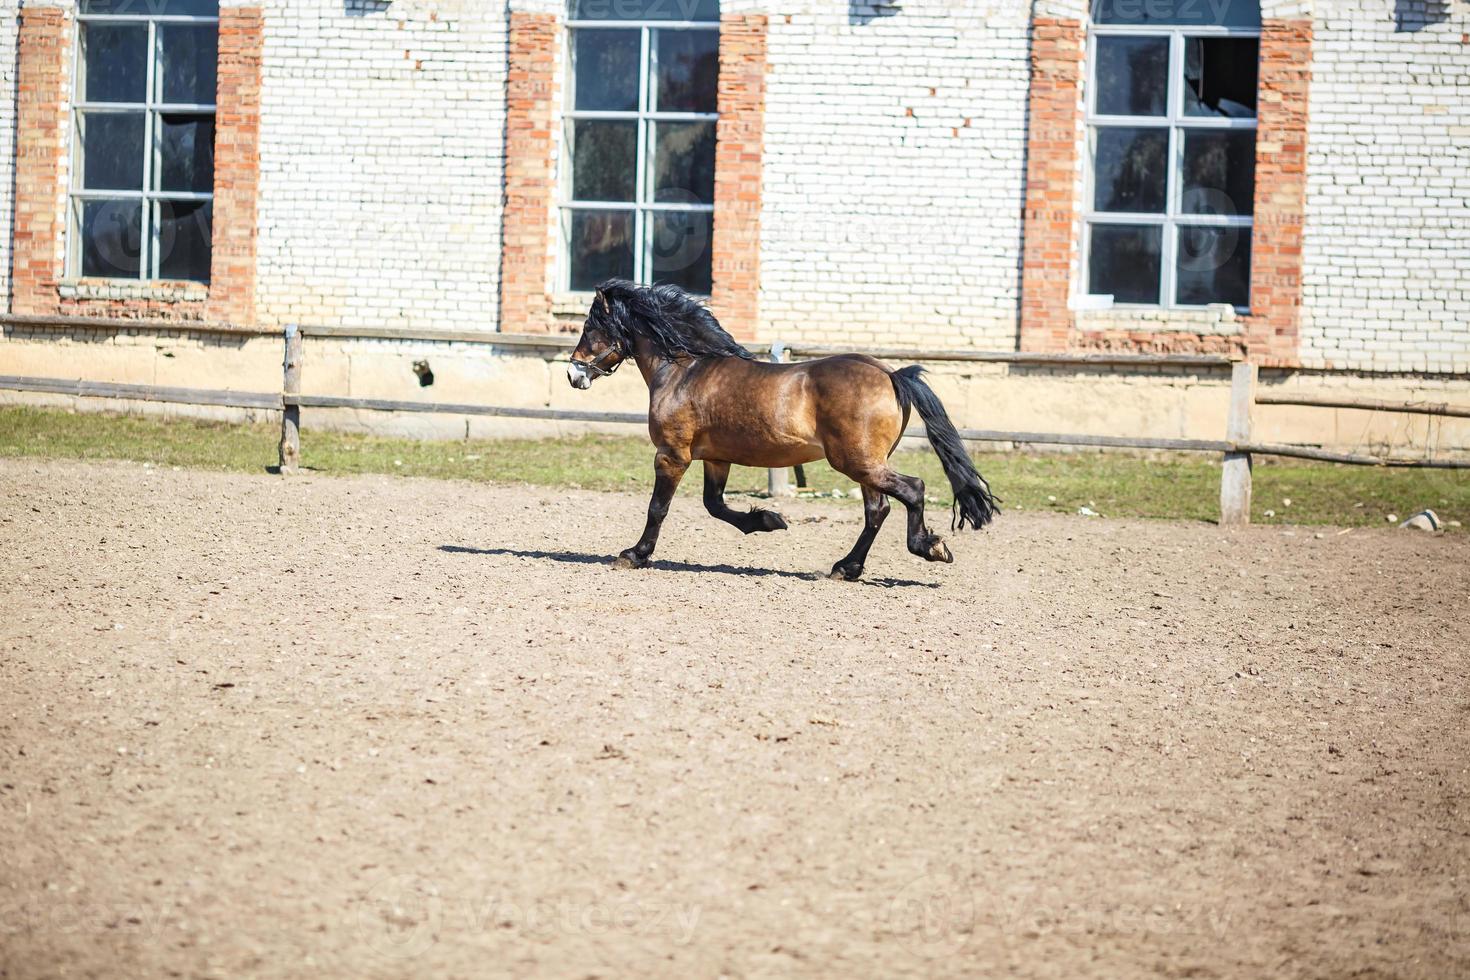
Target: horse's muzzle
(579,376)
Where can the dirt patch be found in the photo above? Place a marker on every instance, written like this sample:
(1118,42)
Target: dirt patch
(386,727)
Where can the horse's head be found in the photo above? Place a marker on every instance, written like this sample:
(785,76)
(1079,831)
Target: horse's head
(604,343)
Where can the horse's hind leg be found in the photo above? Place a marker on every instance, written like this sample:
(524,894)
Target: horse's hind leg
(875,511)
(751,521)
(909,491)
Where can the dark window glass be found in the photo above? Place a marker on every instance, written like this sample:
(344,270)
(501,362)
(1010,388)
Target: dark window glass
(171,8)
(1220,75)
(184,239)
(688,70)
(684,163)
(187,55)
(185,154)
(115,62)
(604,159)
(1219,175)
(112,150)
(646,9)
(607,70)
(681,249)
(1191,13)
(600,247)
(1214,266)
(1131,171)
(1132,76)
(1124,261)
(112,238)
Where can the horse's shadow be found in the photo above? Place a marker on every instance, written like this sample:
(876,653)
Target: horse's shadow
(744,571)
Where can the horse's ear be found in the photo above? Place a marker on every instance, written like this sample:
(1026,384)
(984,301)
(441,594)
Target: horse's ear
(601,298)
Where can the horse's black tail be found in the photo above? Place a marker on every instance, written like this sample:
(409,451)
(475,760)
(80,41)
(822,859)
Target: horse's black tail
(973,502)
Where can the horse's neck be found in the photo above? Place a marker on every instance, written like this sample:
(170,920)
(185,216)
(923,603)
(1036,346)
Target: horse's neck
(655,370)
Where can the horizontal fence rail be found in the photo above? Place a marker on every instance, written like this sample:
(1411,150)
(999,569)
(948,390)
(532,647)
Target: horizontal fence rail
(1365,404)
(143,393)
(1238,447)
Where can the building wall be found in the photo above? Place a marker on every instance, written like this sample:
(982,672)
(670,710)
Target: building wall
(1387,243)
(382,163)
(894,163)
(9,34)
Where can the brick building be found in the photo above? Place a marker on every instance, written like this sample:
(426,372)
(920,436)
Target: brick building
(1288,179)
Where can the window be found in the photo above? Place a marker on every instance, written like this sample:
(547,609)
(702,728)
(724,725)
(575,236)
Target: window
(1172,147)
(638,173)
(143,143)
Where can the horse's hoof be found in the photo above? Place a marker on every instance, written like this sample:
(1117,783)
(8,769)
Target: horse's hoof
(846,573)
(939,551)
(630,560)
(772,521)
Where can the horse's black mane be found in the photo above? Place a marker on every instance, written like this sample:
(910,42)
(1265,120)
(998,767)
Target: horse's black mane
(676,323)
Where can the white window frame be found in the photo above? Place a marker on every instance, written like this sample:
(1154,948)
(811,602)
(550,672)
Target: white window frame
(152,108)
(646,115)
(1176,122)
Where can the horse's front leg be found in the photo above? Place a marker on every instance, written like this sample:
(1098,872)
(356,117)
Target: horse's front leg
(668,470)
(750,521)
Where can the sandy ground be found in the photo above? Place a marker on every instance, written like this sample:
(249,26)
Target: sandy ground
(374,727)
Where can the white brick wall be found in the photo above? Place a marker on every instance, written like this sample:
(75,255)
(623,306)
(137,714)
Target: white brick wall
(382,154)
(9,30)
(894,165)
(1387,238)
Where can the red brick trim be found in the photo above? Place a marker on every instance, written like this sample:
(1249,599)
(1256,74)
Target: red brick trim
(43,80)
(236,165)
(1274,327)
(1050,246)
(739,153)
(46,39)
(526,255)
(1271,331)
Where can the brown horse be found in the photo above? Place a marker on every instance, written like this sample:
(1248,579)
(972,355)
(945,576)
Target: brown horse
(710,400)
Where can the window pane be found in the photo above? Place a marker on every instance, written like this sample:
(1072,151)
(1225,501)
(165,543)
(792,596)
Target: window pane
(173,8)
(1220,76)
(115,60)
(607,70)
(1132,76)
(112,150)
(646,10)
(1214,266)
(1193,13)
(1131,169)
(1219,172)
(688,71)
(112,238)
(184,239)
(187,55)
(600,247)
(1124,261)
(681,249)
(604,159)
(684,163)
(185,154)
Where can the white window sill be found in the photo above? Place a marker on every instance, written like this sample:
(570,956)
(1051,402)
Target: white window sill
(1221,319)
(571,304)
(158,291)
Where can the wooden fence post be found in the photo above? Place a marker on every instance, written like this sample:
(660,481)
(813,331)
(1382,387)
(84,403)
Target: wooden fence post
(1235,475)
(291,414)
(778,483)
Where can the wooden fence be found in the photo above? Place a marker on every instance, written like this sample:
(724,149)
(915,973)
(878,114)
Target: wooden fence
(1237,447)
